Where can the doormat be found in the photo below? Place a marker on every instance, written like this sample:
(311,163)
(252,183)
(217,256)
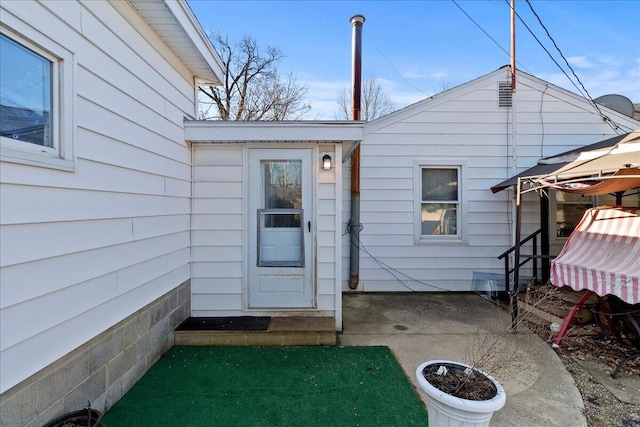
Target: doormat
(242,323)
(271,386)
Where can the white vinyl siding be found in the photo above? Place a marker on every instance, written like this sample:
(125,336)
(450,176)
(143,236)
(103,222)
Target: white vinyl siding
(328,220)
(461,124)
(84,250)
(219,238)
(218,230)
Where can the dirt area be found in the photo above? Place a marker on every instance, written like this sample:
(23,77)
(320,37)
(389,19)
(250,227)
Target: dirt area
(591,362)
(590,356)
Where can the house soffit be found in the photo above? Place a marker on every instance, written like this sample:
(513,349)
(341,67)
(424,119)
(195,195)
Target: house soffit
(179,29)
(211,132)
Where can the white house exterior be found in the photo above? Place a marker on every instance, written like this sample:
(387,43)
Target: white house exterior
(95,221)
(121,215)
(463,132)
(229,193)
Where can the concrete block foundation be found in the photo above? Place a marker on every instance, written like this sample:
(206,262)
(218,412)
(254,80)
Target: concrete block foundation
(103,369)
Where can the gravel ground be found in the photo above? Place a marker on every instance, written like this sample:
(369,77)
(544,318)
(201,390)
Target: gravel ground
(601,407)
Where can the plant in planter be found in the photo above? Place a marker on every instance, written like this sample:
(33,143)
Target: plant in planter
(467,395)
(459,394)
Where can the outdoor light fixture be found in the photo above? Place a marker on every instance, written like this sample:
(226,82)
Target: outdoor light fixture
(326,162)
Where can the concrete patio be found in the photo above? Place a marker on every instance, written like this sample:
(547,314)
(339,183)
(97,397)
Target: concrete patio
(424,326)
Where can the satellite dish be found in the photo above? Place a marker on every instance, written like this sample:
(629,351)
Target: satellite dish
(619,103)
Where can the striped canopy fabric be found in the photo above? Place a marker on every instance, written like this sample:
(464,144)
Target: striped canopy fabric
(602,254)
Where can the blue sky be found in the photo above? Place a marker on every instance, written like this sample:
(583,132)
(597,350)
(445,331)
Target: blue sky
(418,48)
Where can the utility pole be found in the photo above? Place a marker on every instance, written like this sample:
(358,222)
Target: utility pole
(513,46)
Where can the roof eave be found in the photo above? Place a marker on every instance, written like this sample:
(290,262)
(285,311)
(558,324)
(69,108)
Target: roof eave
(174,22)
(218,131)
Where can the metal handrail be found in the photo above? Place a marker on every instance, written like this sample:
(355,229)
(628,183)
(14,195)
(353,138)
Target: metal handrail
(507,271)
(525,240)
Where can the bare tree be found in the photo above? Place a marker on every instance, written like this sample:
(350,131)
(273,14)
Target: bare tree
(252,88)
(374,101)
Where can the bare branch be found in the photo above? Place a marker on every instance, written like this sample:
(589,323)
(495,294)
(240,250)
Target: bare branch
(252,88)
(375,102)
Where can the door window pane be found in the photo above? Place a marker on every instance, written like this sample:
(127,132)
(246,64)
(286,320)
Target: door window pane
(280,245)
(282,190)
(25,88)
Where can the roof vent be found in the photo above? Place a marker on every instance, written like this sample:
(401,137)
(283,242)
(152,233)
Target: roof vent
(504,94)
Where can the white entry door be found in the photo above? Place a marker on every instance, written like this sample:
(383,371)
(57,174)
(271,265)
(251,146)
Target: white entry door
(280,228)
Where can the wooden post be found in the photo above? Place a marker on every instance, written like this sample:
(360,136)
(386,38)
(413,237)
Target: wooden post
(544,238)
(513,291)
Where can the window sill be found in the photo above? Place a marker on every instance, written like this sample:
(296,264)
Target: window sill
(36,159)
(441,241)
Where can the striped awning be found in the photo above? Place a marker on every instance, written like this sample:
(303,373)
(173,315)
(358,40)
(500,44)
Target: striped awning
(602,254)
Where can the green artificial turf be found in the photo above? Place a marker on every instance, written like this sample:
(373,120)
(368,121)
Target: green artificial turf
(271,386)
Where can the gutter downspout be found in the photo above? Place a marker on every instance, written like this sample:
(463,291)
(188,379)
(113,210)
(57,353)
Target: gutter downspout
(356,83)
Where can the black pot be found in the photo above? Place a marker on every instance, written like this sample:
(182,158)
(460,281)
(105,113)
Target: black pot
(82,418)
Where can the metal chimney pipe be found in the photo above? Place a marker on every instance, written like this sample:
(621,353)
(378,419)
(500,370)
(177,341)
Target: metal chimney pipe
(356,69)
(354,247)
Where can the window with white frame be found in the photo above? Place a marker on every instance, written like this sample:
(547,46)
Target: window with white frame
(35,123)
(440,202)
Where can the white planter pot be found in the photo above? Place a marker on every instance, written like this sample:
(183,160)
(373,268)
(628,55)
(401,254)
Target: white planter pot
(446,410)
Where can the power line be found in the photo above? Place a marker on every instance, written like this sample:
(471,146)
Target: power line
(417,88)
(397,274)
(486,33)
(586,94)
(392,66)
(544,48)
(595,104)
(581,89)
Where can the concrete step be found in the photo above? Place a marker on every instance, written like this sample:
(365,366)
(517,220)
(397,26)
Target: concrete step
(282,331)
